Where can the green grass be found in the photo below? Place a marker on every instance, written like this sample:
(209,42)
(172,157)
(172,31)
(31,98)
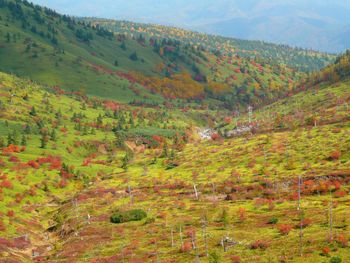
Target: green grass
(257,173)
(71,63)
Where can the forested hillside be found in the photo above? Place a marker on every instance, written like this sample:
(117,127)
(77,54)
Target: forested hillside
(57,50)
(148,144)
(301,59)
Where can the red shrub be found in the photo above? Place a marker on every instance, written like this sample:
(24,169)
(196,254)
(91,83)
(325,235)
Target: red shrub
(157,138)
(235,259)
(215,136)
(14,159)
(339,194)
(335,155)
(326,250)
(342,240)
(262,244)
(228,120)
(186,247)
(337,185)
(34,164)
(284,229)
(6,184)
(11,149)
(55,164)
(62,184)
(305,222)
(10,213)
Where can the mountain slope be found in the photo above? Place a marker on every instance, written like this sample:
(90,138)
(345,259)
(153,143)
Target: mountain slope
(64,186)
(301,59)
(57,50)
(311,24)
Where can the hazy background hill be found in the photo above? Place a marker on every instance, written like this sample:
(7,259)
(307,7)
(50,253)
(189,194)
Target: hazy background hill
(316,24)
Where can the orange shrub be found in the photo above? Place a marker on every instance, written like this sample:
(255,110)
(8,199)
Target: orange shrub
(342,240)
(326,250)
(235,259)
(284,229)
(335,155)
(305,222)
(339,194)
(186,247)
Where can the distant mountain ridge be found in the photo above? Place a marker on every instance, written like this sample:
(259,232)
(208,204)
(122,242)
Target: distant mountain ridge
(314,24)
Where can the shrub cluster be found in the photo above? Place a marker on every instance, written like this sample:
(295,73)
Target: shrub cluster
(119,217)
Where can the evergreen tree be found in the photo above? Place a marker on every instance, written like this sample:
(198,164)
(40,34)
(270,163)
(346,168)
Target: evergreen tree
(123,46)
(43,141)
(165,150)
(24,140)
(8,37)
(126,160)
(2,142)
(33,111)
(53,136)
(99,120)
(134,56)
(9,139)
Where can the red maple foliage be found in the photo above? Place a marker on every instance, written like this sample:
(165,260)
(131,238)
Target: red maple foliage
(6,184)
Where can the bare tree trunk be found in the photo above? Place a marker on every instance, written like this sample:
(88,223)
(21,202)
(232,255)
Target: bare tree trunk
(172,237)
(195,191)
(213,186)
(130,194)
(193,239)
(181,239)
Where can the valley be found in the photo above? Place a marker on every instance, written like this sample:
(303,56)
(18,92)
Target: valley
(123,142)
